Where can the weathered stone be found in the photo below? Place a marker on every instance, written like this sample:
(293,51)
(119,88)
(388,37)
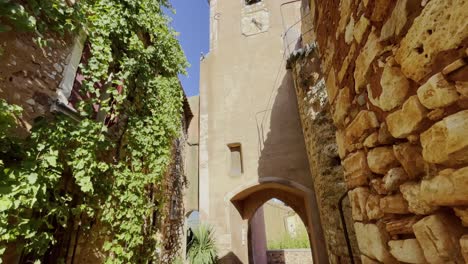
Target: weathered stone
(436,114)
(356,171)
(394,89)
(439,237)
(394,177)
(345,12)
(464,247)
(453,66)
(441,26)
(396,22)
(449,187)
(358,199)
(401,225)
(332,89)
(362,126)
(349,31)
(381,159)
(462,213)
(437,92)
(446,142)
(462,88)
(410,158)
(384,135)
(346,62)
(378,185)
(343,103)
(394,204)
(363,61)
(380,9)
(340,142)
(360,28)
(402,123)
(373,207)
(416,204)
(372,242)
(367,260)
(372,140)
(407,251)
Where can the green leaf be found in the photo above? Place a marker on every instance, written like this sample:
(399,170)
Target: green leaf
(32,178)
(5,204)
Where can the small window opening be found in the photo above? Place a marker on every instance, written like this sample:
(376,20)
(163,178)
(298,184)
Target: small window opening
(251,2)
(236,159)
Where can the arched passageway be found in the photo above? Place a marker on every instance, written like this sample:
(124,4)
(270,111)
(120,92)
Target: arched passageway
(249,198)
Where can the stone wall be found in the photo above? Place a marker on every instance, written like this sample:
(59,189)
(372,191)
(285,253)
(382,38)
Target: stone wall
(396,77)
(29,74)
(289,256)
(319,137)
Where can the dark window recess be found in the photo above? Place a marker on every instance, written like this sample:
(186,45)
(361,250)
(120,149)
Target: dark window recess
(236,160)
(251,2)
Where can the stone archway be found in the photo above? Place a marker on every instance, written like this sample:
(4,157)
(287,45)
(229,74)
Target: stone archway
(249,197)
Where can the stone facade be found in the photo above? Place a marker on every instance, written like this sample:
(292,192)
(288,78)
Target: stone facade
(289,256)
(322,152)
(396,78)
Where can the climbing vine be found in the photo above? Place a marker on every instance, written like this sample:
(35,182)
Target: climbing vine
(90,171)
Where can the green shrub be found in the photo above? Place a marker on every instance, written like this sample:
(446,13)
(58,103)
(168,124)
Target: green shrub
(287,241)
(202,247)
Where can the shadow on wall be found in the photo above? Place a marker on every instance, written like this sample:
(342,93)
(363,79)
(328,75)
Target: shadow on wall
(283,154)
(230,258)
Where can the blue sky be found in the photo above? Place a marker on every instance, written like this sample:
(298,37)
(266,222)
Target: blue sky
(191,20)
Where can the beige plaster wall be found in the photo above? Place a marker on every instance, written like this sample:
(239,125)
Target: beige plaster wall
(191,157)
(247,97)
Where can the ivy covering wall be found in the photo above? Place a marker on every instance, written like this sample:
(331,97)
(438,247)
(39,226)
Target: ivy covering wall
(84,172)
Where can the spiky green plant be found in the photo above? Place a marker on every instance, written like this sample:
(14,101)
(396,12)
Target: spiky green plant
(202,247)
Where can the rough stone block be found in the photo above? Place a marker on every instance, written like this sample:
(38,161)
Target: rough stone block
(367,260)
(372,242)
(396,22)
(356,171)
(358,199)
(372,140)
(378,185)
(439,237)
(448,188)
(373,207)
(380,9)
(394,178)
(360,28)
(408,119)
(394,89)
(401,225)
(345,12)
(407,251)
(394,204)
(416,204)
(381,159)
(384,135)
(453,66)
(462,213)
(340,142)
(464,247)
(343,103)
(437,92)
(332,88)
(362,126)
(446,142)
(441,26)
(363,61)
(346,62)
(410,158)
(462,88)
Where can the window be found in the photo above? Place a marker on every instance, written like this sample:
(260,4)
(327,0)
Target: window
(251,2)
(236,160)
